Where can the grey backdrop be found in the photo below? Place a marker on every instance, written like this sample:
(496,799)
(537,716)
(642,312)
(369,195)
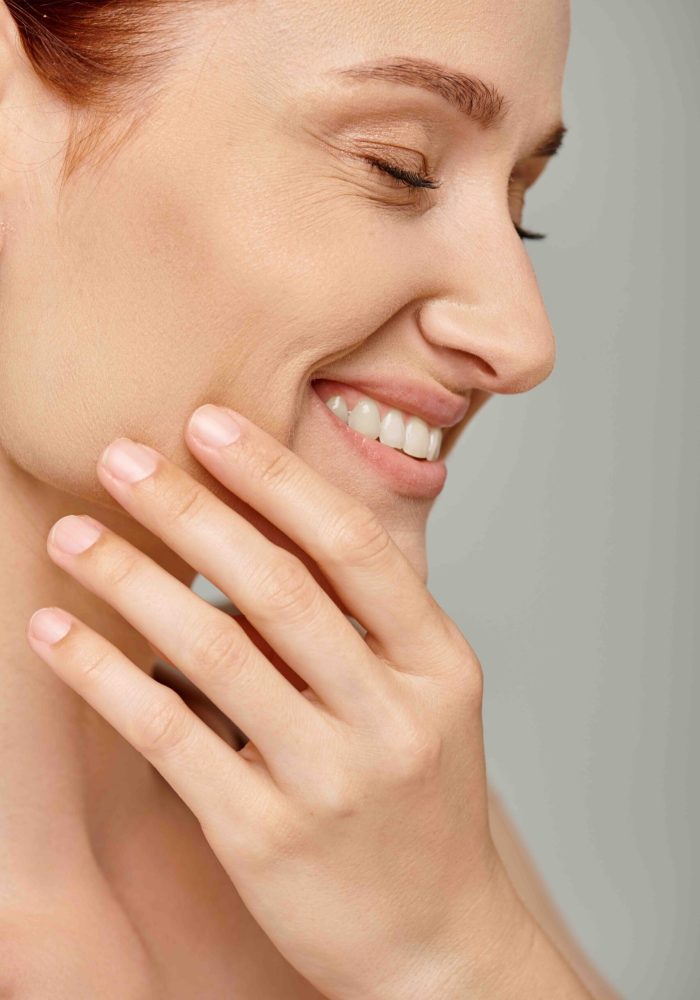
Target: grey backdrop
(565,543)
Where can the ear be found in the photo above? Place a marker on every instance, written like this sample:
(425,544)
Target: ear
(11,50)
(33,127)
(16,68)
(10,47)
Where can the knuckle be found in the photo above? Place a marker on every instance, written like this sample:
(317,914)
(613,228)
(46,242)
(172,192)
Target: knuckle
(450,652)
(474,683)
(162,726)
(121,566)
(215,649)
(188,505)
(423,748)
(466,692)
(451,632)
(286,588)
(337,797)
(278,469)
(272,844)
(359,537)
(415,750)
(96,666)
(461,665)
(264,837)
(417,756)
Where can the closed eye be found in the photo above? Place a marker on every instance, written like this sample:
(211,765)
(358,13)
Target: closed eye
(411,179)
(526,234)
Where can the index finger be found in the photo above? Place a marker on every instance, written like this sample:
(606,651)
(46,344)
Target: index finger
(367,569)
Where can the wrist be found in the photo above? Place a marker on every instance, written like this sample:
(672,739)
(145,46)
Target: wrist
(491,964)
(504,954)
(477,947)
(518,961)
(545,973)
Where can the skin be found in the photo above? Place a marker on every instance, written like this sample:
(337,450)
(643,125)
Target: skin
(182,267)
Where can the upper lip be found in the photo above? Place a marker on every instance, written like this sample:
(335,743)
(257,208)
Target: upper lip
(430,401)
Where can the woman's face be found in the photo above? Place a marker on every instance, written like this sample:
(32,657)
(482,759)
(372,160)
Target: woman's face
(237,244)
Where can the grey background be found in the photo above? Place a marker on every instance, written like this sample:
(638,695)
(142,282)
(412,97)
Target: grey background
(565,543)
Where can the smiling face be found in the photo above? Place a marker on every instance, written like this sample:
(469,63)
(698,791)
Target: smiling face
(238,244)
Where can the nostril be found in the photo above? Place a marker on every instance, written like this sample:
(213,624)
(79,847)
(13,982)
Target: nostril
(482,365)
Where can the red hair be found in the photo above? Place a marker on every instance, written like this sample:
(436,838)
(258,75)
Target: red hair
(97,55)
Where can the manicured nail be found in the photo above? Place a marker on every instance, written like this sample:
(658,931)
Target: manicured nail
(129,461)
(214,426)
(49,625)
(74,534)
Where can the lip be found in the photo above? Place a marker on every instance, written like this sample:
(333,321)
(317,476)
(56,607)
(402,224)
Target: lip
(410,477)
(433,404)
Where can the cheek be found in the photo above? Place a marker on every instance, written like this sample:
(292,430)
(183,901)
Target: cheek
(156,297)
(276,270)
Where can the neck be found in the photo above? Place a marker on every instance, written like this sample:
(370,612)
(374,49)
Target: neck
(67,775)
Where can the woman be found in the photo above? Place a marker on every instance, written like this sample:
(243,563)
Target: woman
(299,213)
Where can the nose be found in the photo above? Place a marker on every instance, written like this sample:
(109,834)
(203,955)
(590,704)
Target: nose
(490,308)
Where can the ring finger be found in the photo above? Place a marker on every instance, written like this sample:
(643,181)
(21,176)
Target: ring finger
(204,642)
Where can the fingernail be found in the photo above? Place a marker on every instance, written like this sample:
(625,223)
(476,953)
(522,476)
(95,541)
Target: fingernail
(129,461)
(49,625)
(74,534)
(214,426)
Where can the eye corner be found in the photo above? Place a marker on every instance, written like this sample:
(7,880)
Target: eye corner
(527,234)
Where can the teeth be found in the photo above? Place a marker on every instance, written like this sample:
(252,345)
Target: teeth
(434,444)
(338,405)
(417,437)
(412,436)
(364,418)
(393,429)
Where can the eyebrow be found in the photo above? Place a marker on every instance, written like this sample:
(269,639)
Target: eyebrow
(478,101)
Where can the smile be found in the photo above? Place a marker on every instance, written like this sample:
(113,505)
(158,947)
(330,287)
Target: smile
(362,422)
(394,428)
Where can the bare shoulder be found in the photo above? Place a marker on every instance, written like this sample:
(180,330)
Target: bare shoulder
(534,893)
(55,956)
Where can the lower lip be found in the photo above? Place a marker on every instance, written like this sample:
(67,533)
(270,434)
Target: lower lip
(411,477)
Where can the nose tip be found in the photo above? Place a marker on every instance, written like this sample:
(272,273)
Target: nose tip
(503,349)
(529,361)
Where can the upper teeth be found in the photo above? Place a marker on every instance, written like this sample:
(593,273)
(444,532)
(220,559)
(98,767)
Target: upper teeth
(412,435)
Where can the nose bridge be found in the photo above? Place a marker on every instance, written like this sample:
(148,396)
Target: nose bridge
(491,307)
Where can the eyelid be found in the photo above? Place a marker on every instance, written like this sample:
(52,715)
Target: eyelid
(358,149)
(392,126)
(385,160)
(403,157)
(411,178)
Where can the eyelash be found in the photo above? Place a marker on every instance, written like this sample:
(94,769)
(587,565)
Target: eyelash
(416,180)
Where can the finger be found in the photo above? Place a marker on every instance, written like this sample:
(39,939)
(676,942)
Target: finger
(271,586)
(367,569)
(208,645)
(197,763)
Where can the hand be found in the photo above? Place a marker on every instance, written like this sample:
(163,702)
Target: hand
(354,823)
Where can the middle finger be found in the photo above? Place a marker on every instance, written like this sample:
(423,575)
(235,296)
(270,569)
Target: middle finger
(270,585)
